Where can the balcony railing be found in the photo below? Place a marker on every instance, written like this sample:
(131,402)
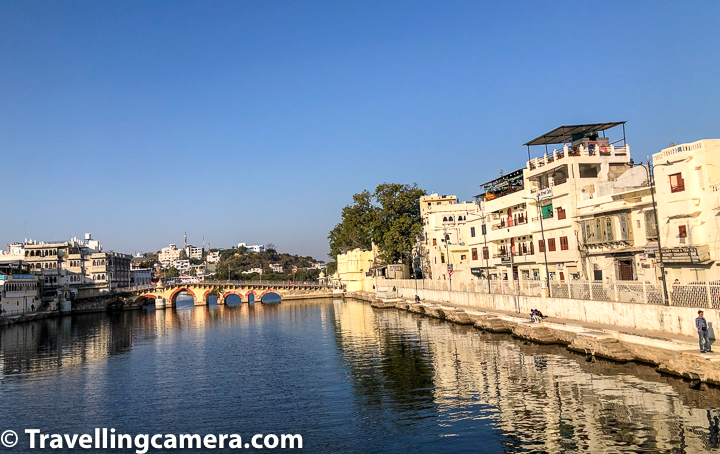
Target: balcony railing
(594,149)
(509,223)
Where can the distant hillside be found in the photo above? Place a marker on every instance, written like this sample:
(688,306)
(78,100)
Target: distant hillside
(236,260)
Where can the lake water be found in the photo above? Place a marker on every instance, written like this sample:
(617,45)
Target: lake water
(348,378)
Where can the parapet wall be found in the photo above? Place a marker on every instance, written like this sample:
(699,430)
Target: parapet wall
(652,317)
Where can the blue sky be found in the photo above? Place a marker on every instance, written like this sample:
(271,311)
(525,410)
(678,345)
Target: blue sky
(257,121)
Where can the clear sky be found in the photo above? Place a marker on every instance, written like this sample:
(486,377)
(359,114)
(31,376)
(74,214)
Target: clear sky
(256,121)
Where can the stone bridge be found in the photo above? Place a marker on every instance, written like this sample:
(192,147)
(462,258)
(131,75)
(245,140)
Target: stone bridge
(249,292)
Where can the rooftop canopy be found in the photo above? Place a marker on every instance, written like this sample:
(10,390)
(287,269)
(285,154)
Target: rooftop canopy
(564,134)
(504,185)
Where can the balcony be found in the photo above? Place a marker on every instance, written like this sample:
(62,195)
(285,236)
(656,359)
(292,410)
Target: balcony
(503,224)
(593,149)
(552,184)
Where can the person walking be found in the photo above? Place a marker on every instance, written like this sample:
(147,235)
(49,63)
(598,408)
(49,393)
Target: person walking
(702,327)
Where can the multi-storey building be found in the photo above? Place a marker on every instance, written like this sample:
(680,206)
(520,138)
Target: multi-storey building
(19,293)
(446,237)
(182,265)
(213,257)
(168,255)
(109,268)
(526,224)
(687,184)
(616,227)
(558,181)
(76,263)
(140,276)
(276,267)
(194,252)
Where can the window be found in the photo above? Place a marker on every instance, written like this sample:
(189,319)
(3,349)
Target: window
(434,241)
(564,246)
(472,232)
(677,184)
(486,253)
(650,225)
(682,231)
(463,257)
(561,213)
(551,244)
(442,258)
(541,245)
(474,253)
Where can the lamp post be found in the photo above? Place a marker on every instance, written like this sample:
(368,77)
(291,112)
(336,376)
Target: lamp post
(649,170)
(542,233)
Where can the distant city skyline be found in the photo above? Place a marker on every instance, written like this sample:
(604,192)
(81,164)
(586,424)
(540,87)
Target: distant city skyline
(256,122)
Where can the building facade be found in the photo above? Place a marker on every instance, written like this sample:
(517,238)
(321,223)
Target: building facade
(19,294)
(533,223)
(687,184)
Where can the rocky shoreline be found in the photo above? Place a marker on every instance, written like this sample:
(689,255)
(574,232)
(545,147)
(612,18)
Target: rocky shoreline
(673,357)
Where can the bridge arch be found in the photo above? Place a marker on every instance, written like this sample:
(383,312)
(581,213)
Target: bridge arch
(251,297)
(176,292)
(212,292)
(232,292)
(270,297)
(139,299)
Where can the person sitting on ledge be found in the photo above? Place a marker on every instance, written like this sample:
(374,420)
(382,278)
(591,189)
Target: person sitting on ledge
(533,316)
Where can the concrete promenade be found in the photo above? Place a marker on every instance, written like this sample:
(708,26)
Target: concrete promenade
(664,320)
(674,354)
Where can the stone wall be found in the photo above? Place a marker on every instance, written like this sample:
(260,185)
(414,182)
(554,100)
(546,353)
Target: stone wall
(652,317)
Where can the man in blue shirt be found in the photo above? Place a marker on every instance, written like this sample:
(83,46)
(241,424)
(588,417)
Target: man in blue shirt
(702,328)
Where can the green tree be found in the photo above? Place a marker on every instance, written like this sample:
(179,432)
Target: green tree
(355,229)
(398,221)
(183,255)
(172,272)
(389,217)
(331,268)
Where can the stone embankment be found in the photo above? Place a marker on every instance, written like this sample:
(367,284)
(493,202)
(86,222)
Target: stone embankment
(669,356)
(12,319)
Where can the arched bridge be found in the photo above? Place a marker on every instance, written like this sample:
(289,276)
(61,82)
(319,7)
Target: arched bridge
(166,295)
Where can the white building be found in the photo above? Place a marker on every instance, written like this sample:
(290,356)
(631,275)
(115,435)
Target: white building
(140,276)
(276,267)
(687,184)
(194,252)
(182,265)
(617,230)
(445,236)
(19,293)
(253,270)
(526,225)
(168,255)
(213,257)
(252,248)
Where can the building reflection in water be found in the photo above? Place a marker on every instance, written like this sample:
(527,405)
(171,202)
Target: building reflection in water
(541,398)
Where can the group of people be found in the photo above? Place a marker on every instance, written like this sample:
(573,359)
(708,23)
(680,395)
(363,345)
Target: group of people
(536,316)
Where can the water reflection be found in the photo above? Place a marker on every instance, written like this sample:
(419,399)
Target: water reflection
(540,398)
(349,378)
